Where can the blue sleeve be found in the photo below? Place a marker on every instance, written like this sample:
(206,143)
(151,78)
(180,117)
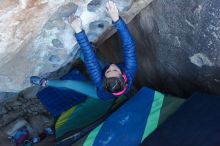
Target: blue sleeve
(129,49)
(90,59)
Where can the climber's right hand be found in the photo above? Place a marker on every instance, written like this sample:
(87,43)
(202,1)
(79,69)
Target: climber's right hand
(76,23)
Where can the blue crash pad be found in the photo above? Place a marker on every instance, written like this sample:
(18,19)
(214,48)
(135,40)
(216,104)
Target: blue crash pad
(196,123)
(58,100)
(126,126)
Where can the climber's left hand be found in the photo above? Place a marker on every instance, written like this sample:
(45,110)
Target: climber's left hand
(112,10)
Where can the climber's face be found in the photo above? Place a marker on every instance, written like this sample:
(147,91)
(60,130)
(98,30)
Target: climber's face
(112,71)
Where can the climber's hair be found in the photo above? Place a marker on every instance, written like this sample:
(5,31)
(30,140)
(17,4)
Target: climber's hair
(114,84)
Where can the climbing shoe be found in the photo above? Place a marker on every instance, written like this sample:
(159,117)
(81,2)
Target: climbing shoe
(35,80)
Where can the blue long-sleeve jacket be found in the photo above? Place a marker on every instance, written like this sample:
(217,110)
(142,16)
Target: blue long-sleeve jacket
(129,65)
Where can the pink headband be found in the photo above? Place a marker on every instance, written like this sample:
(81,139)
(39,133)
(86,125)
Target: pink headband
(124,89)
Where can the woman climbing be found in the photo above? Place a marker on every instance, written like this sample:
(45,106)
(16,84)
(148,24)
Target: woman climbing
(115,79)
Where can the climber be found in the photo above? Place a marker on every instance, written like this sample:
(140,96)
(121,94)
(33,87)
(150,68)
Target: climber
(115,79)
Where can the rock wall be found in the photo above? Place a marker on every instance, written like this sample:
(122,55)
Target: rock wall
(36,38)
(29,109)
(177,46)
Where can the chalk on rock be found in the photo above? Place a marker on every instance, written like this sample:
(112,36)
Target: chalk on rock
(55,22)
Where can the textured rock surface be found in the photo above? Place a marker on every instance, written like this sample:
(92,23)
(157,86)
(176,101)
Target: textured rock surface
(23,48)
(123,5)
(28,108)
(36,39)
(5,96)
(177,45)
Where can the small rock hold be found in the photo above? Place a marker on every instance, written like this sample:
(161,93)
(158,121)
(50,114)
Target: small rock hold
(101,25)
(200,60)
(98,26)
(57,43)
(67,10)
(54,59)
(93,5)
